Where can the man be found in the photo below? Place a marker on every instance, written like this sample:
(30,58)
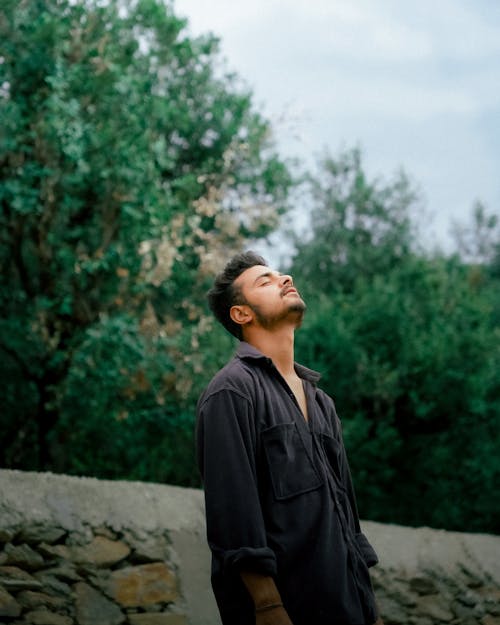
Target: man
(282,522)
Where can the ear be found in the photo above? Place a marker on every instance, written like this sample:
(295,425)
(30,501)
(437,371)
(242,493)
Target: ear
(241,314)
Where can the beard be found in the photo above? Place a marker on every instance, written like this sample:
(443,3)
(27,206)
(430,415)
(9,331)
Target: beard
(295,311)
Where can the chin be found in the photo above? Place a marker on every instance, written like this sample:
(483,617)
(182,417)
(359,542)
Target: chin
(298,309)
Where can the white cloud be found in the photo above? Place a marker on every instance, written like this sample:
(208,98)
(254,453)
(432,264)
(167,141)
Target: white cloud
(411,102)
(415,84)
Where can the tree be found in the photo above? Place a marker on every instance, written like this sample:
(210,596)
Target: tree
(479,241)
(407,344)
(357,228)
(129,165)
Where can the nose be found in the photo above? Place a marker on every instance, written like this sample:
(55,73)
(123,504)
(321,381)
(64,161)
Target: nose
(285,280)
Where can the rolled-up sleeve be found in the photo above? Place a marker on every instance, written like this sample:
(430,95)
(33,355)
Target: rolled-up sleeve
(226,450)
(367,551)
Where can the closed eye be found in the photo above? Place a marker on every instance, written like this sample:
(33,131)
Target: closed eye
(265,278)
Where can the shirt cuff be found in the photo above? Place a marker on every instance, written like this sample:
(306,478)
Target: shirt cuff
(367,551)
(256,560)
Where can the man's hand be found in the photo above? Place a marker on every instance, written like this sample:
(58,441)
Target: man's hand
(269,608)
(275,616)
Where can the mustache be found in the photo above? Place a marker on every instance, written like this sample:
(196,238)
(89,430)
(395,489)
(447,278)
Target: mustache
(287,288)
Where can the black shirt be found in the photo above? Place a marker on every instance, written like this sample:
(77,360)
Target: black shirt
(279,497)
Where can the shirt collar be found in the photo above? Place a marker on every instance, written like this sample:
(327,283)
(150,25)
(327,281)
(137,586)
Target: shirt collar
(246,351)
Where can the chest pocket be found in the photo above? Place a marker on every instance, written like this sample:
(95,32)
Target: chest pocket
(291,470)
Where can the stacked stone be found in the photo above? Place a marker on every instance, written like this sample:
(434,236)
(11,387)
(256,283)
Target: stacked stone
(80,551)
(96,577)
(433,598)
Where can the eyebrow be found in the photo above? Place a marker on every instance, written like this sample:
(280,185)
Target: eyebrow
(267,274)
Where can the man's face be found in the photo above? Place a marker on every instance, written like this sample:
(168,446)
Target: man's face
(271,296)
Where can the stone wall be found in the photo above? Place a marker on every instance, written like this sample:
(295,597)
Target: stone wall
(429,577)
(79,551)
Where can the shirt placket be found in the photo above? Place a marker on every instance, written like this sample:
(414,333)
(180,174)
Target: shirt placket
(355,558)
(303,426)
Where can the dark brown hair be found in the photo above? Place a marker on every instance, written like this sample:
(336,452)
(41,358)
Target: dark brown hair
(223,295)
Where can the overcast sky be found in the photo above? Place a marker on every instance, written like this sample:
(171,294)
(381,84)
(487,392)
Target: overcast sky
(415,85)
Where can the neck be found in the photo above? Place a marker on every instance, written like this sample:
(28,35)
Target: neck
(277,344)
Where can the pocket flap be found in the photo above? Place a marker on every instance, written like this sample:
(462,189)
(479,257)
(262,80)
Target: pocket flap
(290,467)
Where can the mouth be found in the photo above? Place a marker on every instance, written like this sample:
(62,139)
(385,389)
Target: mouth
(288,290)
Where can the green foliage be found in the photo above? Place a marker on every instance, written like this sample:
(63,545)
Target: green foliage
(358,227)
(408,345)
(130,165)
